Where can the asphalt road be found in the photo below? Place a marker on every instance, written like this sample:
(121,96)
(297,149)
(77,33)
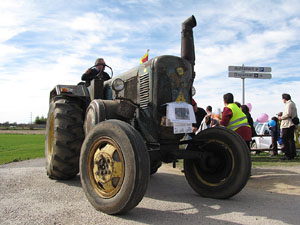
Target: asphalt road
(27,196)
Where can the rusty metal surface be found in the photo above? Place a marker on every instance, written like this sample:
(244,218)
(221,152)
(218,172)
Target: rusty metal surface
(187,41)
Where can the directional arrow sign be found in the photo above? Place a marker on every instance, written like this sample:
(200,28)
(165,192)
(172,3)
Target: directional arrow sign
(250,75)
(250,69)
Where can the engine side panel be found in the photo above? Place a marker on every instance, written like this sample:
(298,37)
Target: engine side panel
(162,80)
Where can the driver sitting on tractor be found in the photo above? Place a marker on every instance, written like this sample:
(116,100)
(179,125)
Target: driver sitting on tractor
(95,71)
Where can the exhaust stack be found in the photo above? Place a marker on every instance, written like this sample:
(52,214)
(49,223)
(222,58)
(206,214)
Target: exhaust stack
(187,41)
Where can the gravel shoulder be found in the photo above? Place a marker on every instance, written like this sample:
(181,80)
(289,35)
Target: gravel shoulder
(28,196)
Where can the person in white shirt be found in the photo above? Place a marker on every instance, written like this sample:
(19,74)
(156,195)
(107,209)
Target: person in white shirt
(287,127)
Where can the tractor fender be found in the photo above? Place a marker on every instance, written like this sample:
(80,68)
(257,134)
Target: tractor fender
(100,110)
(69,90)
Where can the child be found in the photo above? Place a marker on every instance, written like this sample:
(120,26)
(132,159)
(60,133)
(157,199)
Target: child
(275,134)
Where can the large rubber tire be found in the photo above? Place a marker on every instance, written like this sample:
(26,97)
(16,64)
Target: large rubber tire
(114,167)
(224,167)
(64,136)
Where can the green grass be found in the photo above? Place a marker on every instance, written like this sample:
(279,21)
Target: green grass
(18,147)
(264,159)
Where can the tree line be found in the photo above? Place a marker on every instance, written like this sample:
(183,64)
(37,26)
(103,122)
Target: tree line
(38,120)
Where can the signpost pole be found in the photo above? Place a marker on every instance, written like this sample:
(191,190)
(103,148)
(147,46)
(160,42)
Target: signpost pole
(243,87)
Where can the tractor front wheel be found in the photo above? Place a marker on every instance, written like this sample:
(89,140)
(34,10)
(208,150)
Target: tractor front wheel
(114,167)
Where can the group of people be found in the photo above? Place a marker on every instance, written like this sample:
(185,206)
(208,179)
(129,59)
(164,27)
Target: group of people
(282,129)
(204,118)
(238,118)
(233,118)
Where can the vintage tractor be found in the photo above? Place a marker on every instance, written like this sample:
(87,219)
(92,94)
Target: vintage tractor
(118,140)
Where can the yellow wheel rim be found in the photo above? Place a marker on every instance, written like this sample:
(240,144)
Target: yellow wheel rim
(106,167)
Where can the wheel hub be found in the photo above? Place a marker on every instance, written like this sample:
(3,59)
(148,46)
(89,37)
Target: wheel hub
(102,167)
(216,163)
(107,169)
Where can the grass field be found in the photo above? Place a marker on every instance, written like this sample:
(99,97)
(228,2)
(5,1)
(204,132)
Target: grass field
(264,159)
(18,147)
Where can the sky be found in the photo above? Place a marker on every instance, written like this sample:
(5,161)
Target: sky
(49,42)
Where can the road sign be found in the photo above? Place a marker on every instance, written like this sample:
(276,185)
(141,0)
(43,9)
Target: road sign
(250,75)
(250,69)
(249,72)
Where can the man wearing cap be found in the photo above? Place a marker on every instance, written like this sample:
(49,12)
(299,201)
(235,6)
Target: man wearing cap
(288,127)
(234,119)
(95,71)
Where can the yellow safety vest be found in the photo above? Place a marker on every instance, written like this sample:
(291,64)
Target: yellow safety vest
(238,118)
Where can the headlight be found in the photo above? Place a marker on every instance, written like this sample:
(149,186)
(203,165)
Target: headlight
(193,91)
(118,85)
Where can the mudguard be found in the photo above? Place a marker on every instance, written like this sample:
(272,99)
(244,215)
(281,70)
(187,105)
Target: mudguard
(71,90)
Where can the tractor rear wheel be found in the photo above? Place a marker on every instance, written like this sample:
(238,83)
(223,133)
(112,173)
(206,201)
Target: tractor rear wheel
(114,167)
(223,168)
(64,136)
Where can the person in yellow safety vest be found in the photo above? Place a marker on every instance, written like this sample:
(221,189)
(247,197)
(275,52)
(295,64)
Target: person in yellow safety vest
(234,119)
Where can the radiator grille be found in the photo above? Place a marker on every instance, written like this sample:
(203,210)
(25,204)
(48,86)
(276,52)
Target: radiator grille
(130,90)
(144,91)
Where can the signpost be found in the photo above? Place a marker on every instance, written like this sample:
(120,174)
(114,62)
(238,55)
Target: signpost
(249,72)
(250,75)
(250,69)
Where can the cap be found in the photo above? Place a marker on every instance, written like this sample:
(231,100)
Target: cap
(194,102)
(279,114)
(98,60)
